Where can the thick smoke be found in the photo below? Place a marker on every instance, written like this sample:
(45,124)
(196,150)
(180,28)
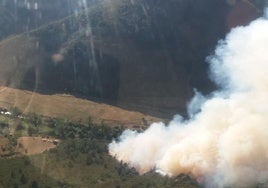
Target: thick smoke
(226,142)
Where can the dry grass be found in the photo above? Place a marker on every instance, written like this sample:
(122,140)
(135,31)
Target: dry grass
(71,108)
(26,145)
(33,145)
(4,145)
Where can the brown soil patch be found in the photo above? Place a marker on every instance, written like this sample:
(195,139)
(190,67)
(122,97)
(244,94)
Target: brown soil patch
(4,146)
(34,145)
(69,107)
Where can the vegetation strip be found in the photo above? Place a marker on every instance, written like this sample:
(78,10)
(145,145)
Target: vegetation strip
(79,160)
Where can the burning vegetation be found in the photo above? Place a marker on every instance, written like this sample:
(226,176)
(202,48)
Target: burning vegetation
(224,143)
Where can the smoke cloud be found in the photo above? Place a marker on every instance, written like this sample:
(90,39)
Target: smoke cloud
(225,143)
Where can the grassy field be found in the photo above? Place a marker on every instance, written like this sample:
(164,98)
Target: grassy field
(69,107)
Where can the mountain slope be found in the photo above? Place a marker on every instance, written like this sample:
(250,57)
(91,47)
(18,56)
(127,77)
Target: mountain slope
(140,55)
(68,107)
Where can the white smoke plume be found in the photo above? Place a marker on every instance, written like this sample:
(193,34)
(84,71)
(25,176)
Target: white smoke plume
(226,143)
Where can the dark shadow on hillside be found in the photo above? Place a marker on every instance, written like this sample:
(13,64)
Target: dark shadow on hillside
(146,56)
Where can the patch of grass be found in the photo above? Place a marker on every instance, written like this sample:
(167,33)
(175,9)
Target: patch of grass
(19,172)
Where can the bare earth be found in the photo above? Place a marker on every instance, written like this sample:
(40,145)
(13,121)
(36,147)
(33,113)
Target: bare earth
(33,145)
(27,145)
(69,107)
(4,146)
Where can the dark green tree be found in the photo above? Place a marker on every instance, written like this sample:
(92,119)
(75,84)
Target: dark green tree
(23,179)
(35,184)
